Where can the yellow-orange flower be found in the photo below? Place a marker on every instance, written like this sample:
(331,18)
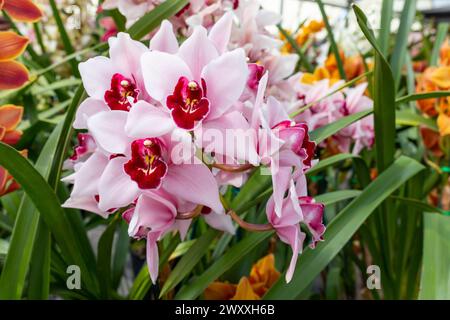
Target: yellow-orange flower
(262,277)
(320,73)
(353,66)
(445,53)
(303,34)
(10,117)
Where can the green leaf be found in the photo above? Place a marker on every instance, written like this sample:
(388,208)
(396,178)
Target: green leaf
(333,45)
(189,260)
(320,134)
(383,99)
(401,40)
(47,203)
(336,196)
(441,34)
(342,228)
(419,96)
(435,281)
(387,10)
(410,118)
(122,246)
(224,263)
(39,277)
(153,19)
(64,37)
(104,259)
(13,275)
(64,138)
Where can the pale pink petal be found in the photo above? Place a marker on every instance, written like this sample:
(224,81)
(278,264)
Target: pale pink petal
(161,73)
(116,189)
(88,175)
(147,121)
(274,112)
(125,54)
(226,78)
(294,237)
(193,183)
(152,255)
(110,4)
(152,212)
(107,128)
(164,40)
(220,222)
(96,74)
(197,51)
(87,203)
(280,182)
(230,135)
(182,226)
(88,108)
(221,31)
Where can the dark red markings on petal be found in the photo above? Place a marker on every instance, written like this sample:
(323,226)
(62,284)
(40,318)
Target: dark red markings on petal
(146,167)
(188,103)
(122,89)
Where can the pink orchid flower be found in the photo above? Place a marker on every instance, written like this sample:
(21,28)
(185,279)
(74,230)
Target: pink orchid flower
(198,81)
(112,83)
(296,210)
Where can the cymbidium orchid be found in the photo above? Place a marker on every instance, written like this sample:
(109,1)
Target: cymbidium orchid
(156,115)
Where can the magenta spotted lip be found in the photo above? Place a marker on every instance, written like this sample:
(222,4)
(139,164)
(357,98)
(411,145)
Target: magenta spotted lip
(188,103)
(122,89)
(146,166)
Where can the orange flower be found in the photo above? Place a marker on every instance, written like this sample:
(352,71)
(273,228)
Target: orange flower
(435,79)
(262,277)
(303,34)
(21,10)
(14,74)
(445,53)
(353,66)
(10,117)
(431,141)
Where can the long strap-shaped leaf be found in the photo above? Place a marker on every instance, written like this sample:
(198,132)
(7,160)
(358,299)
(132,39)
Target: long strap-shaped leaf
(13,275)
(435,281)
(153,19)
(47,203)
(342,228)
(401,40)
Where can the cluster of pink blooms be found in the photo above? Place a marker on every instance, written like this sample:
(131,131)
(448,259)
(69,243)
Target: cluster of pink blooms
(157,139)
(335,106)
(262,50)
(168,128)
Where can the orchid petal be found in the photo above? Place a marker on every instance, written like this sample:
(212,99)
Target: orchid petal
(164,40)
(221,31)
(197,51)
(14,75)
(152,255)
(107,128)
(10,116)
(193,183)
(22,10)
(226,78)
(96,74)
(125,54)
(12,45)
(88,108)
(115,187)
(161,72)
(147,121)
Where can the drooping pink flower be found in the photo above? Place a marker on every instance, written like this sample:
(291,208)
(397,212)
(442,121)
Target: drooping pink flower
(296,210)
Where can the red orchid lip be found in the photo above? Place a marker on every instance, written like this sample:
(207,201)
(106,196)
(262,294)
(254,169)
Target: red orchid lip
(122,89)
(188,103)
(146,167)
